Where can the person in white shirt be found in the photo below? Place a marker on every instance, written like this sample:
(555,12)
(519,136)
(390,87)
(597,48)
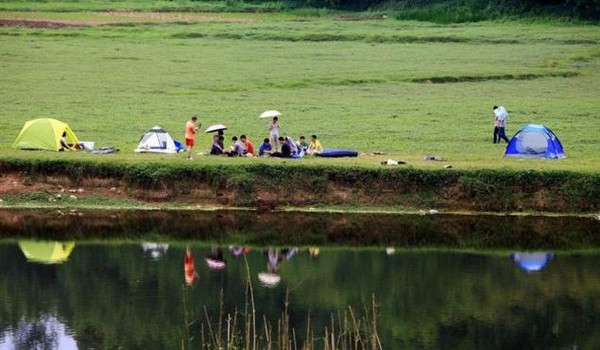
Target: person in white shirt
(500,117)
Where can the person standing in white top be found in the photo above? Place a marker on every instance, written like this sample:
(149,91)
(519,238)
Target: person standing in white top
(500,117)
(274,133)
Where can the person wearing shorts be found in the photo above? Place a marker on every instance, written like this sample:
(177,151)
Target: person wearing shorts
(190,135)
(274,133)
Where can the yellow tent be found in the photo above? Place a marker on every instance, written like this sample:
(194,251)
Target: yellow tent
(44,133)
(46,252)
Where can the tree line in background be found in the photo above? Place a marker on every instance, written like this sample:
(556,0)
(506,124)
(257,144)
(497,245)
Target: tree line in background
(462,10)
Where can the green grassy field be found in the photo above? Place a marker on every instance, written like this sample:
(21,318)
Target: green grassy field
(405,88)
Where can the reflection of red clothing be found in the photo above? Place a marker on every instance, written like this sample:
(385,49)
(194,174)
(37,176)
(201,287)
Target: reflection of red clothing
(189,268)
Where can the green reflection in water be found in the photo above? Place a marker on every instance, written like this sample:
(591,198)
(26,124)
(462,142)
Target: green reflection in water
(323,229)
(130,296)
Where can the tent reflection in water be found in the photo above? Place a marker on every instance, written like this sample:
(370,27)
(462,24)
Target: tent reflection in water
(49,252)
(531,261)
(535,141)
(154,249)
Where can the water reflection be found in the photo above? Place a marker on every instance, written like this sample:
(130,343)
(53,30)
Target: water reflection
(189,267)
(313,229)
(47,332)
(215,260)
(111,296)
(154,250)
(531,261)
(239,250)
(51,252)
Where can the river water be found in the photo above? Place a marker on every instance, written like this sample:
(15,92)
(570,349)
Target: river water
(133,285)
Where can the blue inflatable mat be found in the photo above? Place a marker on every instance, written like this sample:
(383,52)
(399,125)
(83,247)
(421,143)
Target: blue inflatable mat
(335,153)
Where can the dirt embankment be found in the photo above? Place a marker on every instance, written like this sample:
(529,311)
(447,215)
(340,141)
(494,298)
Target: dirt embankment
(270,187)
(33,23)
(107,18)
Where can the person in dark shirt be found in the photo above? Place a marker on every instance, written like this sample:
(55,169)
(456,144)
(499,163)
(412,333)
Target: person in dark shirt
(216,148)
(286,150)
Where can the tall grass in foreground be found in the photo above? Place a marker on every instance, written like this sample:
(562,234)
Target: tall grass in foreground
(246,330)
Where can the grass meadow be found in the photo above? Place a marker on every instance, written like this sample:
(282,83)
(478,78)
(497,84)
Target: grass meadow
(373,84)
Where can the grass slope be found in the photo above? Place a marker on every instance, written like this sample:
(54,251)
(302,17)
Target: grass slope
(406,88)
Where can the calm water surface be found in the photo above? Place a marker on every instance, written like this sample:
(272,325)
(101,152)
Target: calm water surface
(73,295)
(73,282)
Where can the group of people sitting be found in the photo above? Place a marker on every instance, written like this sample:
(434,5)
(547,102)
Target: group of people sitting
(282,147)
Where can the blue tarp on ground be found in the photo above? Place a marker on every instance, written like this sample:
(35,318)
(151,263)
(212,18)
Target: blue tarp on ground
(535,141)
(336,153)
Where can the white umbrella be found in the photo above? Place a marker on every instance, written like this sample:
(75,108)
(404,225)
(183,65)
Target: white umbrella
(216,127)
(270,114)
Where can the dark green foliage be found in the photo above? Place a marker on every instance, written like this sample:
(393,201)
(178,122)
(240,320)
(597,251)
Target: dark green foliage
(307,228)
(457,11)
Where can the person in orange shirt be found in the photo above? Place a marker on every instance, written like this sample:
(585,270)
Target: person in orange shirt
(248,145)
(190,135)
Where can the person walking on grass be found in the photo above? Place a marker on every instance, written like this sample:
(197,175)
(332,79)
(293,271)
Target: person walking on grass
(190,135)
(500,117)
(274,127)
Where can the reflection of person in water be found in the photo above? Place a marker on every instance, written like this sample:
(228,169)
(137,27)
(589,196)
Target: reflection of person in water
(239,250)
(271,277)
(215,260)
(274,257)
(189,267)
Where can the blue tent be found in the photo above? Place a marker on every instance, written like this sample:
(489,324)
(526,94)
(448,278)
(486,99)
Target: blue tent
(535,141)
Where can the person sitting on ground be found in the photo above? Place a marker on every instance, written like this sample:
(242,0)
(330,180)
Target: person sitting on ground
(65,144)
(294,149)
(216,149)
(222,142)
(237,150)
(248,145)
(265,148)
(302,144)
(314,147)
(286,150)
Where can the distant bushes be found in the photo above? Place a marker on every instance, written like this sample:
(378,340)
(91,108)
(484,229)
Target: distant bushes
(454,11)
